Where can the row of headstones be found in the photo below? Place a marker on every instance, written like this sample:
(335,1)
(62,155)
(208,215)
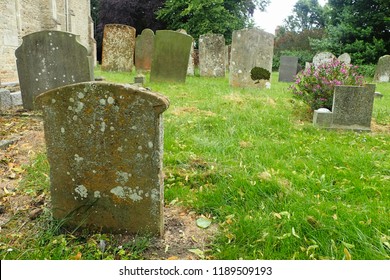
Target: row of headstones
(289,66)
(168,53)
(104,141)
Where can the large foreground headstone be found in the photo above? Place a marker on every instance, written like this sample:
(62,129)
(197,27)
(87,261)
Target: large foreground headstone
(144,50)
(118,47)
(49,59)
(382,71)
(250,48)
(104,146)
(212,55)
(170,56)
(288,68)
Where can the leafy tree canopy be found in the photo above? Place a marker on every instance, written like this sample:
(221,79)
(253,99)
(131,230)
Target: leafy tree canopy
(199,17)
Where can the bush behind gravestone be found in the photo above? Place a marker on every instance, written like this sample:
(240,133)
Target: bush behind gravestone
(315,86)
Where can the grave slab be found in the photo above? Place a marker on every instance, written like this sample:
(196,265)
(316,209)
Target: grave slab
(288,68)
(144,50)
(212,55)
(50,59)
(170,56)
(104,146)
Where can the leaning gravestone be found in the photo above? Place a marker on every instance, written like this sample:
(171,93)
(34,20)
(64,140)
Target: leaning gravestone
(170,56)
(104,146)
(250,48)
(212,55)
(118,47)
(382,71)
(144,50)
(288,68)
(49,59)
(322,58)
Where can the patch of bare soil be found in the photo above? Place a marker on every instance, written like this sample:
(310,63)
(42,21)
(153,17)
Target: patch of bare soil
(26,136)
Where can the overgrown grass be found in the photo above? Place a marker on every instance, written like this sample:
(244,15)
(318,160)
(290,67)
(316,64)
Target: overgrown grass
(278,187)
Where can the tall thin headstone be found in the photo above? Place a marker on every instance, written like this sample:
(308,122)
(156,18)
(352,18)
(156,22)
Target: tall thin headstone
(288,68)
(50,59)
(250,48)
(212,55)
(118,47)
(104,146)
(144,50)
(170,56)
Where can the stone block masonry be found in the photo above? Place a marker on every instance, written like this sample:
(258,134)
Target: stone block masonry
(104,146)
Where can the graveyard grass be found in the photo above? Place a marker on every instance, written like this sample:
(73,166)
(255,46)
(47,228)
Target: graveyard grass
(252,162)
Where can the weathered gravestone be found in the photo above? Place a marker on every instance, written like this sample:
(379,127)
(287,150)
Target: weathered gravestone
(5,99)
(118,47)
(170,56)
(50,59)
(345,57)
(191,62)
(323,58)
(352,109)
(104,146)
(250,48)
(382,71)
(288,68)
(212,55)
(144,50)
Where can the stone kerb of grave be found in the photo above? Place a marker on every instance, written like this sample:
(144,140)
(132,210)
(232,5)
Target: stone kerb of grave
(104,146)
(118,47)
(50,59)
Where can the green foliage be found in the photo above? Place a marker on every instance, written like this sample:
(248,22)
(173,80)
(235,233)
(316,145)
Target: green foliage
(259,73)
(315,86)
(199,17)
(307,15)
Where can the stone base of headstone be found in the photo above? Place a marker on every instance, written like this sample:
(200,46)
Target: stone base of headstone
(323,118)
(16,98)
(140,79)
(5,99)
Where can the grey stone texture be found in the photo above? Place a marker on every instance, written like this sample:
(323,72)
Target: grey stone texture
(212,55)
(105,146)
(352,109)
(382,71)
(5,99)
(345,57)
(144,50)
(288,68)
(191,62)
(118,47)
(250,48)
(170,56)
(322,58)
(49,59)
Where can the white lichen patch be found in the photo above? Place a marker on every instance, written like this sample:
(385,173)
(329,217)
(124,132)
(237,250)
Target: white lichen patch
(78,158)
(97,194)
(120,149)
(62,130)
(82,191)
(79,107)
(128,193)
(53,101)
(110,100)
(102,102)
(103,126)
(71,100)
(80,95)
(155,194)
(122,177)
(150,144)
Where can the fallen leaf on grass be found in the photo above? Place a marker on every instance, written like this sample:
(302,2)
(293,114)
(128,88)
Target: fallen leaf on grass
(203,222)
(347,254)
(197,252)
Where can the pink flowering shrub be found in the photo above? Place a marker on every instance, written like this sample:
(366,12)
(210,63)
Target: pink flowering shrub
(314,86)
